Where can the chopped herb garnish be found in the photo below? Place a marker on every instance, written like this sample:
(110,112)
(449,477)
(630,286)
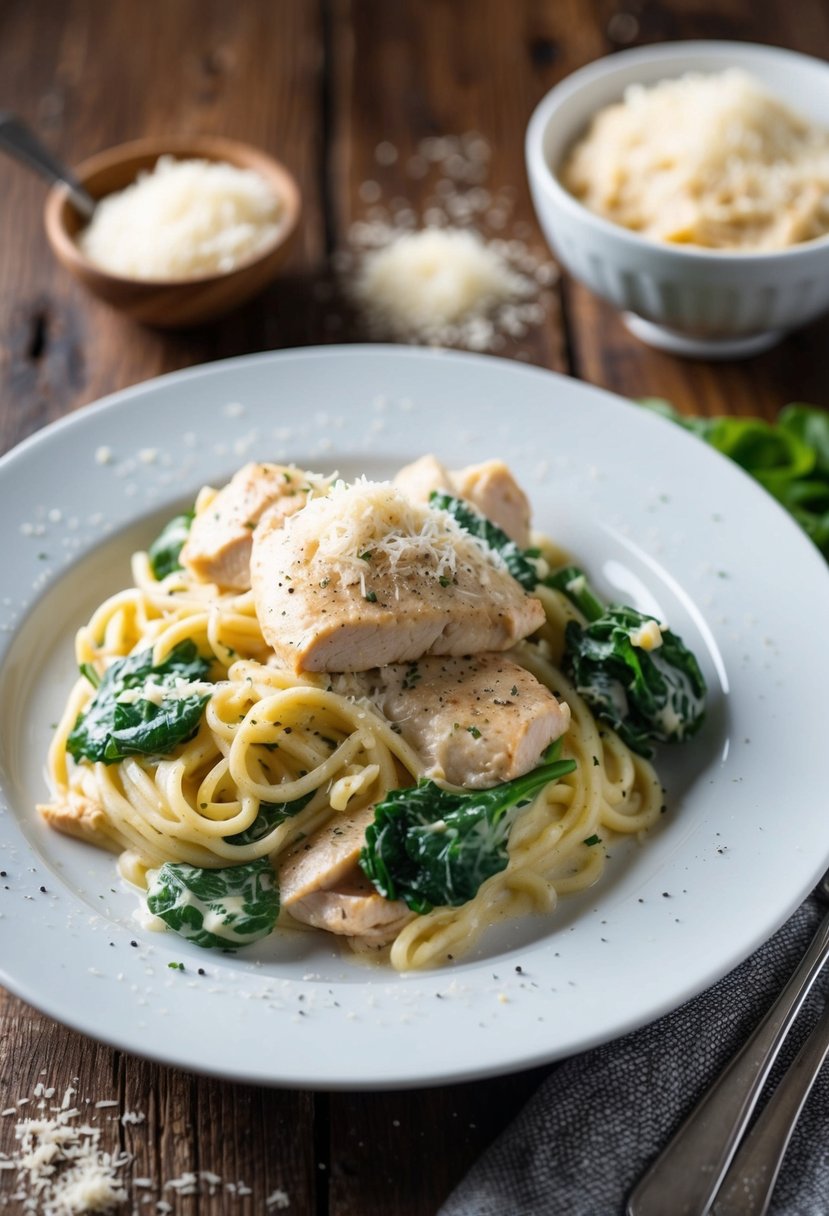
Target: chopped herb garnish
(474,732)
(591,840)
(412,676)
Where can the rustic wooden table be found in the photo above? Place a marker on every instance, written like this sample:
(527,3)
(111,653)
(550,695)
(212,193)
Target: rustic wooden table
(320,83)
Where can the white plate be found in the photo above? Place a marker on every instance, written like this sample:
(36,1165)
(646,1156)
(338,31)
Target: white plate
(657,517)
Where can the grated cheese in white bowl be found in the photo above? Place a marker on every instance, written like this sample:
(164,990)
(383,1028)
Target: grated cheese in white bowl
(183,220)
(710,160)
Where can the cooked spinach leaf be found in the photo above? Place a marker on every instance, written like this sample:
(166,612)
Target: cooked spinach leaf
(165,551)
(123,720)
(270,815)
(433,847)
(635,675)
(521,563)
(216,908)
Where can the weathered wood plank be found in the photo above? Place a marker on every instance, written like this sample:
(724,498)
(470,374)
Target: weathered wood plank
(404,73)
(88,76)
(255,1142)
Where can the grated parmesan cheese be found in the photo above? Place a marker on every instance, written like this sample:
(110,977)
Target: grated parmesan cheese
(64,1169)
(185,219)
(370,526)
(714,161)
(422,282)
(457,271)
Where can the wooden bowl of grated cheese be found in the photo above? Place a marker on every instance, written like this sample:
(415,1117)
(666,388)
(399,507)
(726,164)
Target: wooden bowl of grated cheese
(185,230)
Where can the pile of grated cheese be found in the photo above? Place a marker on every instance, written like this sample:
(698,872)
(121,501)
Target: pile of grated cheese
(185,219)
(425,283)
(456,272)
(368,527)
(714,161)
(61,1168)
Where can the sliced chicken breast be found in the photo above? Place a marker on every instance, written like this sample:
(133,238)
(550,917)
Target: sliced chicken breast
(475,721)
(490,487)
(363,577)
(217,549)
(80,817)
(321,884)
(420,478)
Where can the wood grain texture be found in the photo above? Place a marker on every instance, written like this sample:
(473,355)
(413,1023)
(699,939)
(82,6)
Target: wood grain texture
(320,84)
(88,76)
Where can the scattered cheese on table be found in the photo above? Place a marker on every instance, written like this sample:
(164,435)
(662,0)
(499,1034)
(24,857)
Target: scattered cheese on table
(422,282)
(456,270)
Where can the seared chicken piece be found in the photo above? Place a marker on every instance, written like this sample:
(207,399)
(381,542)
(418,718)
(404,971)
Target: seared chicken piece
(418,479)
(217,549)
(321,884)
(363,577)
(475,721)
(490,487)
(80,817)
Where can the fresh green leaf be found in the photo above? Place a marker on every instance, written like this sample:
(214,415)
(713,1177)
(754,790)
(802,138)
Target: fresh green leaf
(270,815)
(789,458)
(216,909)
(433,847)
(165,551)
(520,562)
(120,722)
(811,426)
(647,696)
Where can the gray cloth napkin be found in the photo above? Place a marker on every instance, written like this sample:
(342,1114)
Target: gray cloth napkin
(599,1119)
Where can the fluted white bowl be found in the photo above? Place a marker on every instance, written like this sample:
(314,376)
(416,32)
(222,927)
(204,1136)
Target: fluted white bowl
(709,303)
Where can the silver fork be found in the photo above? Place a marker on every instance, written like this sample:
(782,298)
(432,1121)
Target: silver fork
(747,1187)
(687,1174)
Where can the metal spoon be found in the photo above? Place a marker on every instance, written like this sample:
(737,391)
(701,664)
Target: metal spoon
(684,1178)
(20,142)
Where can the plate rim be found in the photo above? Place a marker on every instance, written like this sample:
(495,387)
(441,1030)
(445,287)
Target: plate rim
(122,399)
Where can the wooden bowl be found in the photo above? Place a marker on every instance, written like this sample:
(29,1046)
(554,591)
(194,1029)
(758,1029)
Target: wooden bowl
(178,303)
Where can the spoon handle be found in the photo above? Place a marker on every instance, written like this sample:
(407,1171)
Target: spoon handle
(748,1185)
(20,142)
(685,1177)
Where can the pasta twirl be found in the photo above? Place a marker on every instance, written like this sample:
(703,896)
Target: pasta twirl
(276,756)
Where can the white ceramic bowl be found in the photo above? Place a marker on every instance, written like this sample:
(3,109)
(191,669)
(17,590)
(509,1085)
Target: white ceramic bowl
(691,301)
